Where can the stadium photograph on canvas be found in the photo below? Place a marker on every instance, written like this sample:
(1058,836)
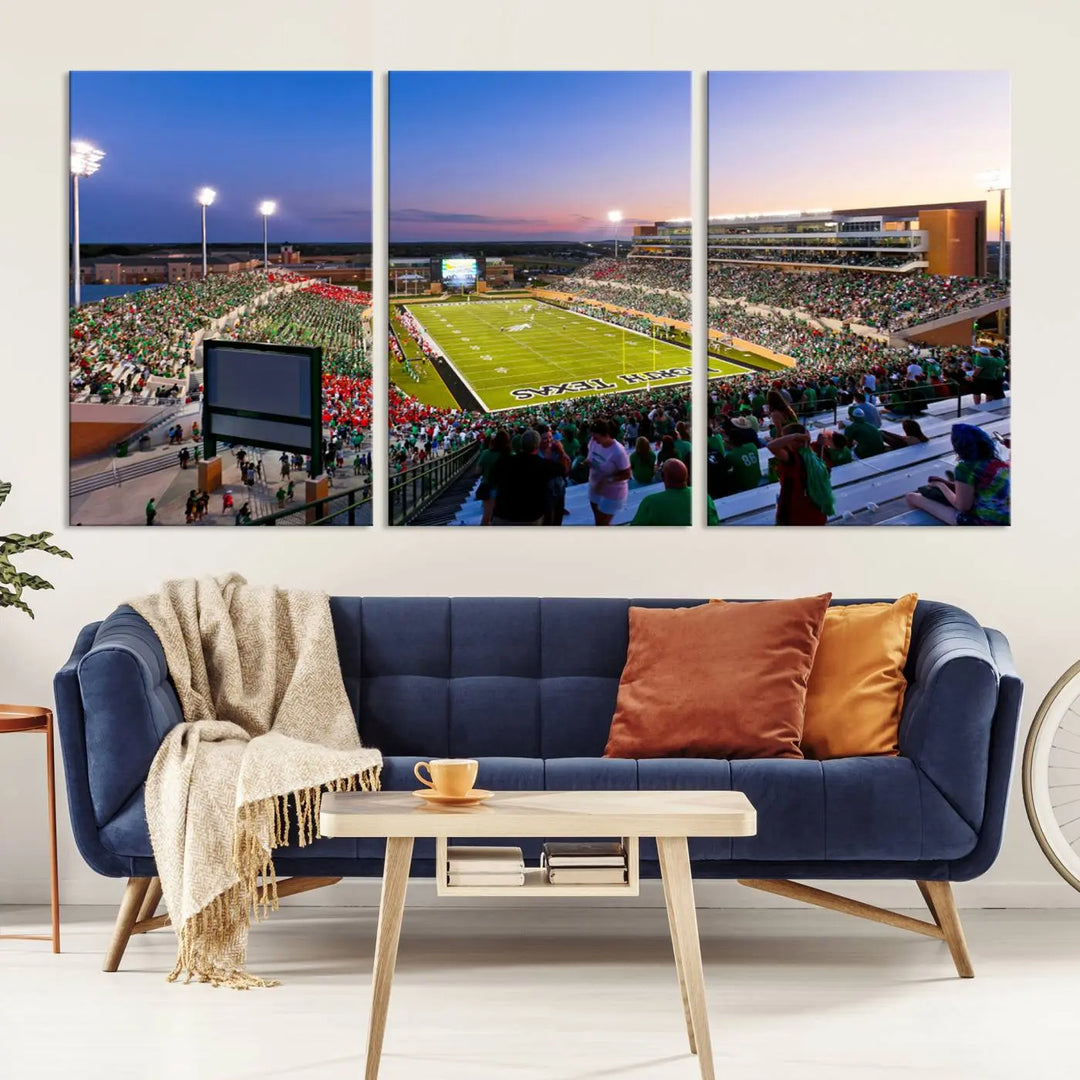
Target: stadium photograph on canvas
(534,379)
(219,298)
(869,315)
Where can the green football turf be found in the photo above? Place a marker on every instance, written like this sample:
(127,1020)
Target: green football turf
(560,354)
(742,358)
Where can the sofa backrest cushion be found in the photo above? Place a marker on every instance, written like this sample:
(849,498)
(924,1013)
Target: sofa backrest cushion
(485,676)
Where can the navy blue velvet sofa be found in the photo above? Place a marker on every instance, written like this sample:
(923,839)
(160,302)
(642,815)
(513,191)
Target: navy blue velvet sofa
(528,686)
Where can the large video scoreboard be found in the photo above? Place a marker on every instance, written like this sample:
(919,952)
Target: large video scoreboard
(457,272)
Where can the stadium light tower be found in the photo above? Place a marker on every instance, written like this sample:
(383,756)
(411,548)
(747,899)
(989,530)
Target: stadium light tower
(998,180)
(615,217)
(85,161)
(205,198)
(266,208)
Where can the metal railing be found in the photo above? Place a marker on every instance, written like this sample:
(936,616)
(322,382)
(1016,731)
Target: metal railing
(355,499)
(413,491)
(898,400)
(906,400)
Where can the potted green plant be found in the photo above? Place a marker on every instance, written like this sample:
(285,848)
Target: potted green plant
(12,581)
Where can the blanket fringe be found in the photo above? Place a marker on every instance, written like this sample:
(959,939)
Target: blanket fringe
(212,944)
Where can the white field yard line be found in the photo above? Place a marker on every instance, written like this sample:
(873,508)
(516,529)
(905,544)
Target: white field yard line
(562,315)
(715,374)
(445,356)
(628,329)
(548,363)
(545,360)
(584,350)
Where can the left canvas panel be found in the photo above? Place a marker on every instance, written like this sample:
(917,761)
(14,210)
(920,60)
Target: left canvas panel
(220,298)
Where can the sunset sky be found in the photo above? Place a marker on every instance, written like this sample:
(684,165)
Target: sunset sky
(795,140)
(301,138)
(536,155)
(519,155)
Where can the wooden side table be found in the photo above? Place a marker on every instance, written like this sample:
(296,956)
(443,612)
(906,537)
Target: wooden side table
(35,718)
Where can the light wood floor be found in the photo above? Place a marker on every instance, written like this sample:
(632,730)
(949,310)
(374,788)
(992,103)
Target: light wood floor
(562,993)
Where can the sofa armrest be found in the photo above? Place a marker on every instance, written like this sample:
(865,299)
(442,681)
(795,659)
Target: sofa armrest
(950,706)
(128,704)
(1003,745)
(72,736)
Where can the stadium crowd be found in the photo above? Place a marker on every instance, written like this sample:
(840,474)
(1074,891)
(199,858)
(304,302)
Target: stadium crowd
(119,344)
(840,358)
(333,318)
(835,368)
(649,427)
(880,301)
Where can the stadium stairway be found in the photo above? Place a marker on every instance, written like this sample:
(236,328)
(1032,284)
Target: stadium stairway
(446,508)
(120,474)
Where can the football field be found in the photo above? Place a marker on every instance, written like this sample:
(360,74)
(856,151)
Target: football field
(524,352)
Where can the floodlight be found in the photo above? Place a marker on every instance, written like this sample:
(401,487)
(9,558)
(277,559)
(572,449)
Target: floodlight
(994,180)
(266,208)
(614,216)
(1000,181)
(85,161)
(206,196)
(85,158)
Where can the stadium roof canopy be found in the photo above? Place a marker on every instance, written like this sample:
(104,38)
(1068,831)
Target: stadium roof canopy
(913,209)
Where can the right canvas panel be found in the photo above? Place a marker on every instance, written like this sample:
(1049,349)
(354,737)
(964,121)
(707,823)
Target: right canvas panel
(859,259)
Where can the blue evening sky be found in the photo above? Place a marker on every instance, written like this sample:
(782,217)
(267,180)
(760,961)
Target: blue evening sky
(300,138)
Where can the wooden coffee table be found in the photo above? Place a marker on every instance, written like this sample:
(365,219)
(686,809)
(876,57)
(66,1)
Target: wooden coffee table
(669,816)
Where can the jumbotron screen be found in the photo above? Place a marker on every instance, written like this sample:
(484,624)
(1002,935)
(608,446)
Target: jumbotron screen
(459,272)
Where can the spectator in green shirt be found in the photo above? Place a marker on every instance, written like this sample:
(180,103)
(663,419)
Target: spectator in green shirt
(643,461)
(833,449)
(682,441)
(989,377)
(498,448)
(570,442)
(742,458)
(865,439)
(672,505)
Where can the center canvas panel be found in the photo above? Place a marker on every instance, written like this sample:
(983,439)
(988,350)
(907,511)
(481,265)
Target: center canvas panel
(533,379)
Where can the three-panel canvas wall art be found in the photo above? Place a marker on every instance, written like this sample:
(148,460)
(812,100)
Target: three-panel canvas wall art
(538,298)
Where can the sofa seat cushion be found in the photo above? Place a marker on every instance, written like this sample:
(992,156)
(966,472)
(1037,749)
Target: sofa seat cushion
(862,808)
(865,808)
(128,834)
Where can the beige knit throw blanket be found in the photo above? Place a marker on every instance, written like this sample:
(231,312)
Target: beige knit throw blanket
(267,723)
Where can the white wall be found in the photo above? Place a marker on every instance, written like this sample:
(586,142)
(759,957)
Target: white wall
(1022,580)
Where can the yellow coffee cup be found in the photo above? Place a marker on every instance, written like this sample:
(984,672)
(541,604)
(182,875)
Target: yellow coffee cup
(448,776)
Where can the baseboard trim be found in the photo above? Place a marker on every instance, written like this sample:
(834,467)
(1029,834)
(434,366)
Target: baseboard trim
(364,893)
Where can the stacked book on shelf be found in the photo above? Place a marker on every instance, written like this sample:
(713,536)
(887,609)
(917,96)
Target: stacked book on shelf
(485,866)
(584,862)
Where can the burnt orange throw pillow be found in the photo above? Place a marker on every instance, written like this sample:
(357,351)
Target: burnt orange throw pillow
(857,687)
(717,681)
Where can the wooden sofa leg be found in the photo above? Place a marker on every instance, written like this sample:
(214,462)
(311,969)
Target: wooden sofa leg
(939,899)
(134,895)
(150,903)
(937,894)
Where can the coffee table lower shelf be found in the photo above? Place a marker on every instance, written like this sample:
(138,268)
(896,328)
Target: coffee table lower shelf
(536,883)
